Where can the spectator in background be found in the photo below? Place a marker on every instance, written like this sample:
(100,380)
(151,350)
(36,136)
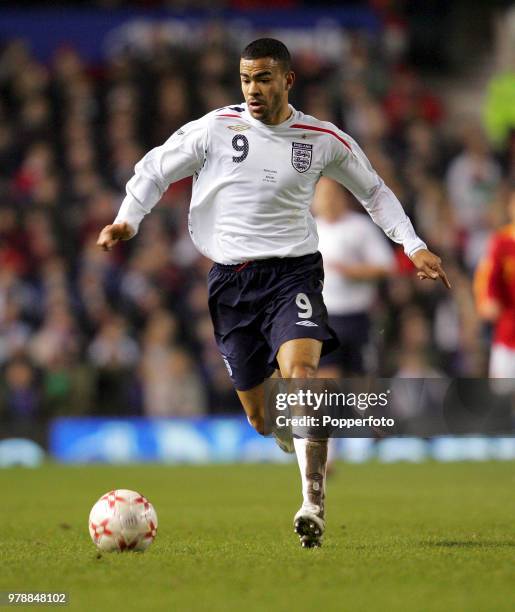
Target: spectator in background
(67,385)
(431,209)
(114,354)
(113,348)
(20,398)
(57,339)
(415,354)
(362,114)
(408,100)
(14,332)
(171,385)
(473,178)
(16,310)
(356,255)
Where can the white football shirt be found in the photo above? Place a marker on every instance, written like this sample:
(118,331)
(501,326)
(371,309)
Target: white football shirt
(353,239)
(254,183)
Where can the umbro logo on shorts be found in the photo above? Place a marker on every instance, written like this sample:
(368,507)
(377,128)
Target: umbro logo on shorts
(306,323)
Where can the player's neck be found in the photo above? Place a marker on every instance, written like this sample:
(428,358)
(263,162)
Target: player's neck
(283,115)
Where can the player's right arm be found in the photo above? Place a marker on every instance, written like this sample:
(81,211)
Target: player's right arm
(180,156)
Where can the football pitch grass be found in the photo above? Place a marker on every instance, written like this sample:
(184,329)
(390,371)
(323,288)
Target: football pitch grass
(399,537)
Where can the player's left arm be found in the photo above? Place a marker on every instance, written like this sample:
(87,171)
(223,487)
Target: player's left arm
(350,167)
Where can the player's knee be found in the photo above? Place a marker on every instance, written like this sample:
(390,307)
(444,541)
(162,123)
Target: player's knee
(299,370)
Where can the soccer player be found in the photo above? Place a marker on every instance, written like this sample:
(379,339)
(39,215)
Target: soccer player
(255,166)
(494,286)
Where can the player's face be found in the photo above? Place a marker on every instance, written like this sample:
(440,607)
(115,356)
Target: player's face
(265,85)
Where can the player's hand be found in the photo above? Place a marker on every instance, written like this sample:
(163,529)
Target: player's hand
(429,266)
(112,234)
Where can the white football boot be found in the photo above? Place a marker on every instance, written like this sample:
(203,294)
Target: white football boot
(284,439)
(309,525)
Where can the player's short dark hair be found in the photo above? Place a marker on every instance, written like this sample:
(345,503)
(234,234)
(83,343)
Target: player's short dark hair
(268,47)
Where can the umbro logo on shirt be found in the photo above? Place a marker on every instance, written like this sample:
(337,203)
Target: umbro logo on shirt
(306,324)
(238,128)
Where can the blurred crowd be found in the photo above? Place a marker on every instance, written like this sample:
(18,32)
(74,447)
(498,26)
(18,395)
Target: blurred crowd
(128,332)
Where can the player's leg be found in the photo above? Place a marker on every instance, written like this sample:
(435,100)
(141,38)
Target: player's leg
(297,329)
(298,358)
(253,402)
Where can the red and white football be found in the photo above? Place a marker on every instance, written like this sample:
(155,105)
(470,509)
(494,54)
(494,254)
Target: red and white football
(122,520)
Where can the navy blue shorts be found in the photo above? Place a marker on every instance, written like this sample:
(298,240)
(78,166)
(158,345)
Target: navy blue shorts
(352,331)
(257,306)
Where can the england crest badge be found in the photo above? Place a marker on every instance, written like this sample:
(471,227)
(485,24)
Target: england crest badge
(301,154)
